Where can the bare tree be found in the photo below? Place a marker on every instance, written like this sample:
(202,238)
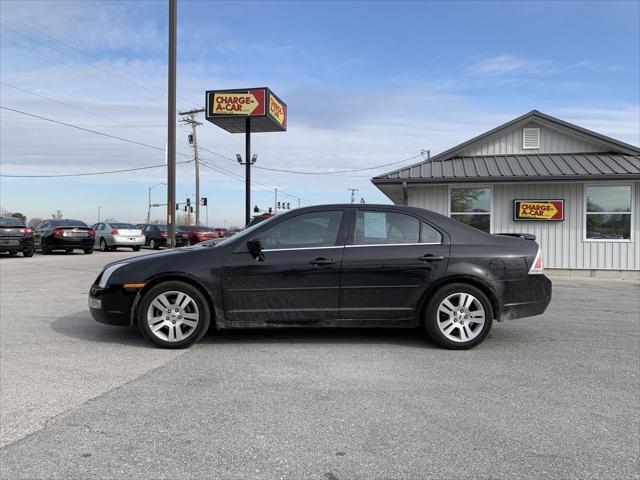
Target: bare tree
(57,215)
(34,222)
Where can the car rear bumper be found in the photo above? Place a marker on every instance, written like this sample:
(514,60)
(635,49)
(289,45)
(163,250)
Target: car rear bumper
(13,244)
(70,242)
(525,298)
(125,241)
(113,305)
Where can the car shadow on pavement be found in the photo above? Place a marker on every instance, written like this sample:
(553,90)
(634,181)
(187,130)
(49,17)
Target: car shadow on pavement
(397,336)
(82,326)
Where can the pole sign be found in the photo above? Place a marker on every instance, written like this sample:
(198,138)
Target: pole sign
(547,210)
(229,109)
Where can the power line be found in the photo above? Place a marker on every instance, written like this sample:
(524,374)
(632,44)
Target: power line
(82,128)
(80,109)
(111,66)
(89,173)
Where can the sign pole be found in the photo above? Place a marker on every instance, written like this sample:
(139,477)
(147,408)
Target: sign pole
(247,161)
(171,134)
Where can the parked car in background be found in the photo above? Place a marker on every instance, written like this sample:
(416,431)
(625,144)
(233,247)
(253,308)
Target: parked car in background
(111,235)
(198,233)
(65,235)
(15,237)
(156,236)
(332,266)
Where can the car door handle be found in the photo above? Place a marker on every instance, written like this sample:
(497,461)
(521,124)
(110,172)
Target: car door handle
(431,258)
(322,261)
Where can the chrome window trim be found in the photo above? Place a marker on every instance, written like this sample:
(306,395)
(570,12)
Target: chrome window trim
(392,244)
(300,248)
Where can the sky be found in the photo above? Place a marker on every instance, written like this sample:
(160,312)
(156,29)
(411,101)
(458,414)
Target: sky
(366,84)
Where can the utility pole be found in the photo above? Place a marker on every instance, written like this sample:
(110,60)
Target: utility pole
(275,203)
(353,194)
(98,213)
(171,120)
(191,119)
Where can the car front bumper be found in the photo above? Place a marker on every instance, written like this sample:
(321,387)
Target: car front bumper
(525,298)
(112,305)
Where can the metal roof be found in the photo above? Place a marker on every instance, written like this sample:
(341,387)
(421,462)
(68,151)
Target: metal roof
(495,168)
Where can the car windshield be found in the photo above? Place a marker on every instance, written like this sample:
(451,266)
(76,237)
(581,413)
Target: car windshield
(202,229)
(124,226)
(68,223)
(11,222)
(183,229)
(244,233)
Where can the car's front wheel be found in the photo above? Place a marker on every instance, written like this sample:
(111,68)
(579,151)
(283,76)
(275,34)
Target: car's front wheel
(458,316)
(173,314)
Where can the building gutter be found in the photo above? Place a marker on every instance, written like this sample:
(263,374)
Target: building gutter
(532,179)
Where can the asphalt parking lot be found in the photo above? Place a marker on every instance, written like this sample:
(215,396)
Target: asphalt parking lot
(556,396)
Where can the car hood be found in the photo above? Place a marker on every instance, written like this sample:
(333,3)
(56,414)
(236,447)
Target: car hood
(152,256)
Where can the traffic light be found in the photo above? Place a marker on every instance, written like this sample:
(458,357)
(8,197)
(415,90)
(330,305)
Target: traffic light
(189,201)
(190,209)
(278,206)
(270,210)
(256,209)
(190,139)
(203,201)
(288,206)
(186,208)
(177,207)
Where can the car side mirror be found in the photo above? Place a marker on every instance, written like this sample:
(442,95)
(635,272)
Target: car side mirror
(255,249)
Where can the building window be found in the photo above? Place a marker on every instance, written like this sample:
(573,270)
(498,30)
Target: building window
(608,213)
(472,206)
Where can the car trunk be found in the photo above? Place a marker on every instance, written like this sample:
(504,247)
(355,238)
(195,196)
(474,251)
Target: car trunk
(73,232)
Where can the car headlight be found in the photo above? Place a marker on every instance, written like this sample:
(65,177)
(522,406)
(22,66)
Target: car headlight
(108,272)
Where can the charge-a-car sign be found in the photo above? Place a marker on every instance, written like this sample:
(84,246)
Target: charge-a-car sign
(250,102)
(255,109)
(549,210)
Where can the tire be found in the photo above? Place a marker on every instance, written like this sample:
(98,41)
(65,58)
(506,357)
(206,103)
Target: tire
(68,250)
(103,245)
(153,245)
(164,333)
(88,251)
(458,316)
(43,246)
(28,253)
(136,248)
(13,254)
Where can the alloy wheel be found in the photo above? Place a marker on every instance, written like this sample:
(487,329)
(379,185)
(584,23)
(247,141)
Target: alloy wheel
(461,317)
(103,245)
(173,316)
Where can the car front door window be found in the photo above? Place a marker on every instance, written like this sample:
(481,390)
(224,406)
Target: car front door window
(311,230)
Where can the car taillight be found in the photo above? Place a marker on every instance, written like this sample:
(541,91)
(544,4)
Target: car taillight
(26,230)
(163,234)
(140,233)
(91,232)
(537,263)
(57,231)
(115,232)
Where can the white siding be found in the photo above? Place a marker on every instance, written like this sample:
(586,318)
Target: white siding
(562,242)
(551,141)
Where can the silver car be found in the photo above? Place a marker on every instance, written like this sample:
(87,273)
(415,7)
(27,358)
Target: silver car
(112,235)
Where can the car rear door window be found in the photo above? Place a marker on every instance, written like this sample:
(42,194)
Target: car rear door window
(388,228)
(310,230)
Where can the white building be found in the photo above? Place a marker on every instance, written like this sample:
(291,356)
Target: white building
(591,227)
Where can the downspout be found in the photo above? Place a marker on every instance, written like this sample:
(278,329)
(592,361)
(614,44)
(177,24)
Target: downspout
(405,194)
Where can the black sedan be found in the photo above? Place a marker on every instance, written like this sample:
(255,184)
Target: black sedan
(64,234)
(15,237)
(155,236)
(331,265)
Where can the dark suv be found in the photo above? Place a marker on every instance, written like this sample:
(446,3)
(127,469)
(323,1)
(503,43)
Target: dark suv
(156,236)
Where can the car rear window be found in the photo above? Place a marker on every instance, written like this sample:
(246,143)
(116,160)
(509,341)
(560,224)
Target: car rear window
(11,222)
(124,226)
(68,223)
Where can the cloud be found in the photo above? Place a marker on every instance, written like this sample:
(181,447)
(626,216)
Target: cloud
(506,64)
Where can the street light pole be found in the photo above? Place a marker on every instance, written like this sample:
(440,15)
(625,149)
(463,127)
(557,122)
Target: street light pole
(247,159)
(149,209)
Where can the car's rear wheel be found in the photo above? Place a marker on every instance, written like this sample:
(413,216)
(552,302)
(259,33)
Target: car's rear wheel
(13,254)
(136,248)
(27,253)
(43,247)
(103,245)
(88,251)
(458,316)
(173,314)
(68,250)
(153,245)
